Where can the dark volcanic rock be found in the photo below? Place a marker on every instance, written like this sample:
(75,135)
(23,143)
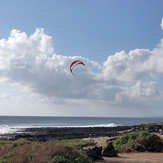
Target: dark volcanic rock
(109,151)
(53,133)
(94,153)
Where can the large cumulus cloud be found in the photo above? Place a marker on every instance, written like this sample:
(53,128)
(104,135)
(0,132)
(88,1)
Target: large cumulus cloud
(128,67)
(30,63)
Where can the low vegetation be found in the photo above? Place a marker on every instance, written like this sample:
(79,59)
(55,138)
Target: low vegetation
(24,151)
(138,141)
(76,143)
(153,127)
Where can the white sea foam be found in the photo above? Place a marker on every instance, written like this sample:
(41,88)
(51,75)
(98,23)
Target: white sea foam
(102,125)
(98,125)
(60,126)
(5,129)
(106,125)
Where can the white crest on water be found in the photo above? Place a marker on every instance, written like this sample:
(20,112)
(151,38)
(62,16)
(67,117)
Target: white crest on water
(5,129)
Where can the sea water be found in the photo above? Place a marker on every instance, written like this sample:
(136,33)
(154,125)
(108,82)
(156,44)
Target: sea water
(10,124)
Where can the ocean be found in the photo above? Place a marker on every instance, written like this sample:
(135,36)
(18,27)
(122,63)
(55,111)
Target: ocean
(10,124)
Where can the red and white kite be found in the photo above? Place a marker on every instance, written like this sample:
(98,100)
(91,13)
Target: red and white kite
(75,63)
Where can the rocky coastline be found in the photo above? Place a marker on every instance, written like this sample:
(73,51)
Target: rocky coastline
(53,133)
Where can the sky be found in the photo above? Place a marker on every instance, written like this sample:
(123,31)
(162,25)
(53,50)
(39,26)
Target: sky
(119,41)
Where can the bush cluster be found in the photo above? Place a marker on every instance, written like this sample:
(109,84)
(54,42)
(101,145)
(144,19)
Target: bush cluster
(138,141)
(24,151)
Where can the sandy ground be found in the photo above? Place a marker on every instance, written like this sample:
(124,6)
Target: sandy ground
(135,158)
(144,157)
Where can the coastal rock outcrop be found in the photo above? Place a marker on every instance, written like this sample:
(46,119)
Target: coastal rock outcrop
(109,151)
(54,133)
(94,153)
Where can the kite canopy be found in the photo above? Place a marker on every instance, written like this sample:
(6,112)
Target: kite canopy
(75,63)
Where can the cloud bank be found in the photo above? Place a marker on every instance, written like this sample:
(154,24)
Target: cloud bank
(124,78)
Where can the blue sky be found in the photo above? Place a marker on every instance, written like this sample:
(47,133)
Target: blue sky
(92,29)
(116,40)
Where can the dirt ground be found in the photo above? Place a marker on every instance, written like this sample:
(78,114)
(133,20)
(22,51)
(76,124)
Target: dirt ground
(144,157)
(135,158)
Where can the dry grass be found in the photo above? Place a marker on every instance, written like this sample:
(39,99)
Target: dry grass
(40,152)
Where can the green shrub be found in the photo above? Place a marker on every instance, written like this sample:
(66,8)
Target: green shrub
(21,142)
(151,142)
(139,141)
(71,157)
(76,143)
(149,126)
(6,158)
(3,142)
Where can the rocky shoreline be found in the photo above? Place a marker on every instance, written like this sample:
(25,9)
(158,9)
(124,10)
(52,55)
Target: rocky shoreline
(54,133)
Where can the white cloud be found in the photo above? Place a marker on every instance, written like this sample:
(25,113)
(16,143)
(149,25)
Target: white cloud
(25,62)
(29,63)
(5,96)
(128,67)
(141,91)
(162,24)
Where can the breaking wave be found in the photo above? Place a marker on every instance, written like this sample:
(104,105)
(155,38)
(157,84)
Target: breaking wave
(5,129)
(102,125)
